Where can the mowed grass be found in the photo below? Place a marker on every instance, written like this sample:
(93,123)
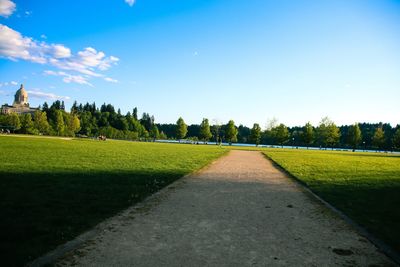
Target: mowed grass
(51,190)
(365,186)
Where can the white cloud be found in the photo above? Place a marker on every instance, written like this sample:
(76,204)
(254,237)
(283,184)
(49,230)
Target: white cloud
(13,83)
(14,46)
(28,13)
(43,36)
(130,2)
(89,61)
(7,7)
(111,80)
(90,58)
(73,65)
(76,79)
(50,72)
(36,93)
(60,51)
(68,78)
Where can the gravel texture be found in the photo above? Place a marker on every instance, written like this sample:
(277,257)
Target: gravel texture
(239,211)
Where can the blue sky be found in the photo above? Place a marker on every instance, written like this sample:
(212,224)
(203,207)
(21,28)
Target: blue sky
(250,61)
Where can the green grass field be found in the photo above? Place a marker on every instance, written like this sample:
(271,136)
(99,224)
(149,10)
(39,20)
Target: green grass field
(51,189)
(365,186)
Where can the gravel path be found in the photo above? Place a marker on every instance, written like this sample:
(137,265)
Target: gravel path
(239,211)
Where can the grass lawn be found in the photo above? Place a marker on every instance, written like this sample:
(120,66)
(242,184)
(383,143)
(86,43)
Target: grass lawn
(365,186)
(51,189)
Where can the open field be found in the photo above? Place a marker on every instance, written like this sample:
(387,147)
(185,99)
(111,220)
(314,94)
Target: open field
(239,211)
(51,189)
(365,186)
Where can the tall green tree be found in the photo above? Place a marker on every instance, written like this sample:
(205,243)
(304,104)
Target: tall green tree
(86,123)
(328,133)
(281,134)
(135,113)
(396,139)
(215,130)
(27,124)
(121,123)
(378,140)
(147,121)
(74,124)
(181,129)
(163,136)
(59,123)
(154,133)
(231,132)
(14,121)
(40,122)
(255,134)
(354,136)
(205,132)
(308,134)
(333,135)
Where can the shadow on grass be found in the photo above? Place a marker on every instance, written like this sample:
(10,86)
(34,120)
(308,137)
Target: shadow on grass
(42,210)
(374,207)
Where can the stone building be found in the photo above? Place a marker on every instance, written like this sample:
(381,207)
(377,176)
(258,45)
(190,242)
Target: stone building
(20,104)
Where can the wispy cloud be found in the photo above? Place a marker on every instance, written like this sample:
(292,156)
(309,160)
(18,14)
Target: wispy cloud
(130,2)
(89,61)
(111,80)
(37,93)
(13,83)
(68,78)
(60,51)
(7,7)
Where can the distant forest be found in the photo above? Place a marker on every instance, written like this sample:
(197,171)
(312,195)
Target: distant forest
(88,120)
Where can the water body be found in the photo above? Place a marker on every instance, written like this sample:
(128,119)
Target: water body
(272,146)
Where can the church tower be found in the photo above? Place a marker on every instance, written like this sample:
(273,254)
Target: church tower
(21,97)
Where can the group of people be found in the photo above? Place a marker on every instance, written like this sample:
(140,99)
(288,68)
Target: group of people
(5,131)
(102,138)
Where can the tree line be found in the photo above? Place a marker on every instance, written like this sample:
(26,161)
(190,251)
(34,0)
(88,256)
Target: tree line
(88,120)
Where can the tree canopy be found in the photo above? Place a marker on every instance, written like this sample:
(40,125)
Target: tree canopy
(205,132)
(308,134)
(256,134)
(328,133)
(92,120)
(281,134)
(379,138)
(181,129)
(231,132)
(354,135)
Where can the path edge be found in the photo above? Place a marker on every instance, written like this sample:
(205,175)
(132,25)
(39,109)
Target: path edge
(378,243)
(61,250)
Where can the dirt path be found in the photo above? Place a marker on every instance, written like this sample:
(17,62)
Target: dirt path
(240,211)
